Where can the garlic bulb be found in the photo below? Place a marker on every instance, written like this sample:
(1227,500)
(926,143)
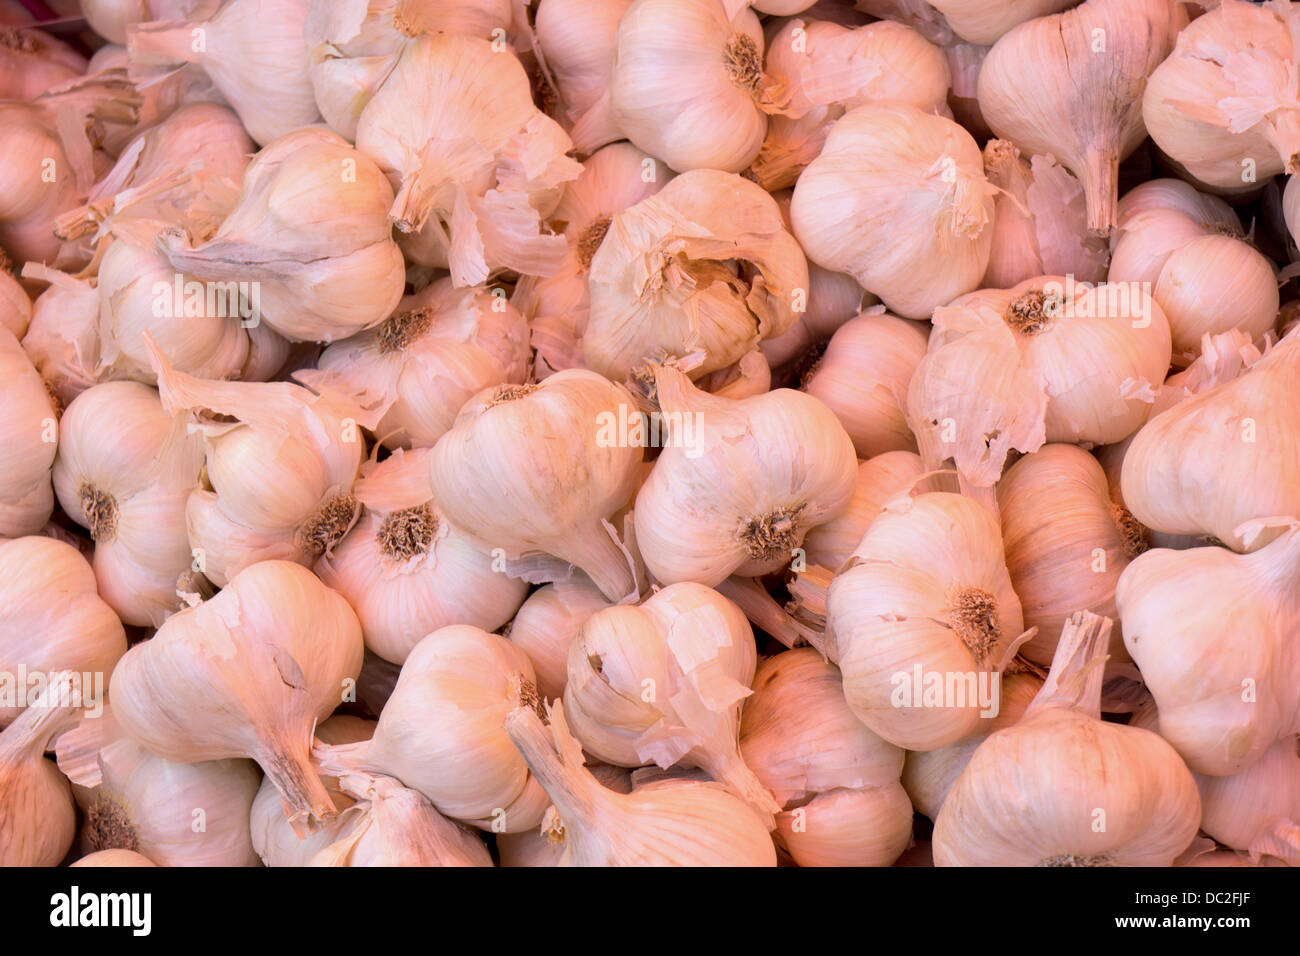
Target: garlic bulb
(557,306)
(121,475)
(352,47)
(1221,104)
(391,825)
(441,731)
(32,61)
(739,483)
(174,814)
(662,683)
(704,265)
(114,858)
(924,621)
(409,376)
(476,166)
(309,236)
(929,775)
(545,846)
(1156,218)
(1211,632)
(15,306)
(1062,787)
(815,71)
(1222,457)
(889,164)
(671,823)
(687,83)
(545,626)
(62,339)
(38,817)
(274,652)
(250,49)
(579,40)
(1050,360)
(408,572)
(1040,222)
(837,780)
(881,479)
(1070,84)
(983,21)
(53,619)
(1066,543)
(538,470)
(29,433)
(1257,810)
(863,378)
(111,18)
(279,465)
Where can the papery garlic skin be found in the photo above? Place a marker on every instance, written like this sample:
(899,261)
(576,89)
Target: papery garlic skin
(409,376)
(406,570)
(546,625)
(747,478)
(1056,361)
(476,166)
(671,823)
(1221,458)
(705,264)
(1219,104)
(136,801)
(53,617)
(929,775)
(248,48)
(246,674)
(311,230)
(441,731)
(1257,810)
(663,683)
(863,378)
(925,593)
(1034,793)
(686,83)
(29,433)
(121,475)
(898,165)
(1046,87)
(506,473)
(1209,629)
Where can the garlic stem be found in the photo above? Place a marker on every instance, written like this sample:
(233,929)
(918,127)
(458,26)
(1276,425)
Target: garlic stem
(1101,176)
(569,786)
(1078,669)
(307,803)
(604,561)
(728,768)
(763,611)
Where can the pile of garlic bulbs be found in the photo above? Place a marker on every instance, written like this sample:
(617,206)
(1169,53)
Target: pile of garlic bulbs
(651,433)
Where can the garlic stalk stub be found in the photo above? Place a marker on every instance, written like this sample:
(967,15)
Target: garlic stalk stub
(1064,788)
(1070,84)
(506,474)
(739,483)
(663,683)
(704,264)
(672,823)
(889,164)
(271,654)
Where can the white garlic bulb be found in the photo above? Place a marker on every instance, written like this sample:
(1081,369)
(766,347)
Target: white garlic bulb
(983,21)
(1156,218)
(273,653)
(53,618)
(174,814)
(249,48)
(121,474)
(885,165)
(579,39)
(739,483)
(672,823)
(546,624)
(476,166)
(309,237)
(113,858)
(406,570)
(441,731)
(1257,810)
(533,470)
(925,620)
(408,377)
(863,378)
(278,476)
(29,432)
(62,339)
(1064,788)
(705,264)
(687,82)
(15,305)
